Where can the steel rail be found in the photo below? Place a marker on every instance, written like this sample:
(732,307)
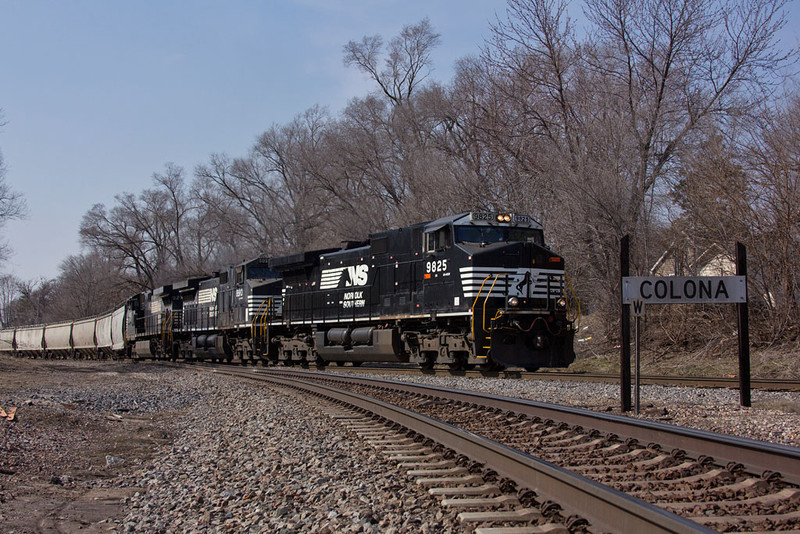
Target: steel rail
(767,384)
(756,456)
(605,508)
(770,384)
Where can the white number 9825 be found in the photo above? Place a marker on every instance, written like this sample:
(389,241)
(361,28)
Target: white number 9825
(436,266)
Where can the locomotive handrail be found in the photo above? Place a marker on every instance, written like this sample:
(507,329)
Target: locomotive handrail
(577,319)
(475,303)
(166,333)
(489,294)
(268,313)
(255,322)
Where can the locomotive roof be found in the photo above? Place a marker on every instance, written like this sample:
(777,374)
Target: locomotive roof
(483,218)
(189,283)
(299,260)
(303,260)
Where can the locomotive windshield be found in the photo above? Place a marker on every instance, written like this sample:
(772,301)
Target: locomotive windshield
(497,234)
(255,272)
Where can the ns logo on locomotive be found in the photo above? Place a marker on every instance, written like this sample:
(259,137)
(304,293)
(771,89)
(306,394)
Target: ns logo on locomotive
(472,289)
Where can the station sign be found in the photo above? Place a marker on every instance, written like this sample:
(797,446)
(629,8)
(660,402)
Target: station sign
(684,290)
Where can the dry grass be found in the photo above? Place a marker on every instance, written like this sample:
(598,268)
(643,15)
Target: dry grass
(595,354)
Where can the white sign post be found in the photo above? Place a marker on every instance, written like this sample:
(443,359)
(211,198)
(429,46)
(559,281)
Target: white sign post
(637,307)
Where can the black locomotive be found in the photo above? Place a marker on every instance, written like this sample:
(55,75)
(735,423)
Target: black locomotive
(472,289)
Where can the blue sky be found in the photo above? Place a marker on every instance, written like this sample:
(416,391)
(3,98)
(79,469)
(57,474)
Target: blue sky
(99,94)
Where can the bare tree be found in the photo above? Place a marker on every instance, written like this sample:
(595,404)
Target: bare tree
(224,212)
(773,163)
(479,129)
(89,284)
(120,234)
(273,192)
(33,304)
(390,161)
(406,64)
(147,233)
(746,187)
(768,210)
(175,209)
(619,110)
(9,292)
(12,203)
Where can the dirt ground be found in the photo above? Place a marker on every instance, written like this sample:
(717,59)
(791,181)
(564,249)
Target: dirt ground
(60,468)
(58,457)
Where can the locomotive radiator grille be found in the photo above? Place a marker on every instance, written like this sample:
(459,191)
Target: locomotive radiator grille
(259,306)
(521,282)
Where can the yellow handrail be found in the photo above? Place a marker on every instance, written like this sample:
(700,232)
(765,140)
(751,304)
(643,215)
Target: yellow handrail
(254,320)
(577,320)
(489,294)
(166,332)
(475,303)
(266,316)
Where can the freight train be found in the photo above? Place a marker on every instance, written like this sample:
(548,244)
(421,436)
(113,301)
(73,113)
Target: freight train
(473,289)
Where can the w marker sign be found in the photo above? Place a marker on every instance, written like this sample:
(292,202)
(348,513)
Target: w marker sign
(684,290)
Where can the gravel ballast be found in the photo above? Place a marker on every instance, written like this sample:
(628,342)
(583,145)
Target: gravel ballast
(257,459)
(774,415)
(208,453)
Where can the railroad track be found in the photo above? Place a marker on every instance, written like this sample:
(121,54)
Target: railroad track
(712,481)
(723,482)
(492,483)
(769,384)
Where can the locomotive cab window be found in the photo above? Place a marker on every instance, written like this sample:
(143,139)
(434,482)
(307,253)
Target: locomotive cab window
(380,245)
(497,234)
(438,239)
(255,272)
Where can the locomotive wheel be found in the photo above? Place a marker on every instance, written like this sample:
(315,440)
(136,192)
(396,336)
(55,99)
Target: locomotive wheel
(460,362)
(429,361)
(491,366)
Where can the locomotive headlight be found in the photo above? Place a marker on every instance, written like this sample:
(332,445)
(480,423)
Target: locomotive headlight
(506,218)
(561,304)
(513,302)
